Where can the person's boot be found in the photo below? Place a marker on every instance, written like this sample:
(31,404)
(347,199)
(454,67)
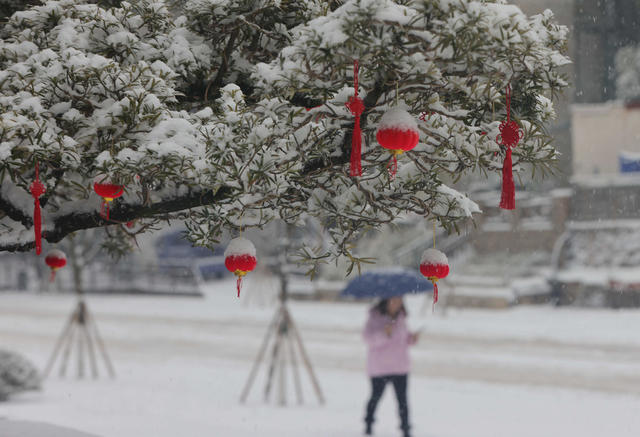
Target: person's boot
(406,432)
(368,430)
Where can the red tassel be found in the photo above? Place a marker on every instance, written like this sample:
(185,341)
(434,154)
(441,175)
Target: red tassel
(356,106)
(53,275)
(37,189)
(508,198)
(435,295)
(239,285)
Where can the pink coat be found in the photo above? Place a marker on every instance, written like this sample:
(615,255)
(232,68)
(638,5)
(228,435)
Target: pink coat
(387,355)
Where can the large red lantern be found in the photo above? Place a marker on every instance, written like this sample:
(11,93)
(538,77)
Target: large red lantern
(55,259)
(435,266)
(240,258)
(108,191)
(398,132)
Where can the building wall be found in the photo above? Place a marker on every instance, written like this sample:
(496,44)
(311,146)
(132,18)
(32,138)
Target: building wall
(534,225)
(600,133)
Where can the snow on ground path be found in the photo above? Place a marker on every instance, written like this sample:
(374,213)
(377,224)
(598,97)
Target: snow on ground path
(182,362)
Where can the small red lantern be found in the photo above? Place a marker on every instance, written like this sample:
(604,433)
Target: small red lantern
(55,259)
(108,191)
(398,132)
(240,258)
(434,265)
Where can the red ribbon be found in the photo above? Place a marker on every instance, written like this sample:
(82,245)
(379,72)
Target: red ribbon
(37,189)
(356,106)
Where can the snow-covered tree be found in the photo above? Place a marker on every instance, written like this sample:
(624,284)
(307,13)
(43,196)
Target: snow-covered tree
(229,113)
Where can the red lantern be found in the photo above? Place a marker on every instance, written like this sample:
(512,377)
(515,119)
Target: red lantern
(398,132)
(108,191)
(240,258)
(37,189)
(55,259)
(434,265)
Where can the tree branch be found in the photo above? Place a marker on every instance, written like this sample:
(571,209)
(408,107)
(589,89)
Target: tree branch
(14,213)
(69,223)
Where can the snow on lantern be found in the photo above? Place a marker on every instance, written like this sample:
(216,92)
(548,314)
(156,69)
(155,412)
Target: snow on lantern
(240,258)
(398,132)
(106,189)
(55,259)
(434,265)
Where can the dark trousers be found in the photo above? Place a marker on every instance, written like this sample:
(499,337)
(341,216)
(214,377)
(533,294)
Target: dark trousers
(377,388)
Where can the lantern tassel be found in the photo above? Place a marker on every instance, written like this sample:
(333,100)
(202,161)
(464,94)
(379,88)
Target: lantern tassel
(508,198)
(356,106)
(392,166)
(239,285)
(53,275)
(435,294)
(104,211)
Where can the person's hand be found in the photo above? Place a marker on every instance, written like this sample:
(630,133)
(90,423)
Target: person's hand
(388,329)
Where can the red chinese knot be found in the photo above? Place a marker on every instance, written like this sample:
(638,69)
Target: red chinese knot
(510,135)
(37,189)
(356,106)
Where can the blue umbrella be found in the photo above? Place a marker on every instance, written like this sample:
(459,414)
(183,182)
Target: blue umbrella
(387,283)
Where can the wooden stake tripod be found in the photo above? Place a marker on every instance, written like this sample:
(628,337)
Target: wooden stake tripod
(82,327)
(287,338)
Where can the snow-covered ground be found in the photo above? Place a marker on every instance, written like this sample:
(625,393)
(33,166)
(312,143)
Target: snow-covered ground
(182,363)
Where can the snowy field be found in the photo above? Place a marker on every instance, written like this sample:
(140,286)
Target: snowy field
(181,364)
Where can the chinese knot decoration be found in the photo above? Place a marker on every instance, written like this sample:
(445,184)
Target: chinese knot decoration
(108,191)
(434,265)
(356,106)
(510,135)
(398,132)
(37,189)
(240,258)
(55,259)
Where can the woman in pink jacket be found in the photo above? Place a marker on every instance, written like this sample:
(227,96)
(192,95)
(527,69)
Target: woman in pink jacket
(388,342)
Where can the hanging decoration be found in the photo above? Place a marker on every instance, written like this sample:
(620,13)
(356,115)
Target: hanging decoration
(240,258)
(398,132)
(37,189)
(510,135)
(356,106)
(108,191)
(55,259)
(435,266)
